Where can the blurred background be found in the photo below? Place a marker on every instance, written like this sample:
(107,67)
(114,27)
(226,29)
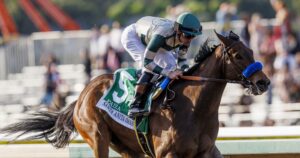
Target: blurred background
(50,49)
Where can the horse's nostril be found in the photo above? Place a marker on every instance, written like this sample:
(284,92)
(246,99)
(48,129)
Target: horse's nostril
(268,82)
(263,84)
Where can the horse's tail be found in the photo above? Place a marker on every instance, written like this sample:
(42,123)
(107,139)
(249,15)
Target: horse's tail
(55,127)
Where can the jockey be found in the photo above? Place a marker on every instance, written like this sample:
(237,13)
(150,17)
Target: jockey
(159,45)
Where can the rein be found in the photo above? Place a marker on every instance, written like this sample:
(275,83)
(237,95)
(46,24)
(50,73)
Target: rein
(198,78)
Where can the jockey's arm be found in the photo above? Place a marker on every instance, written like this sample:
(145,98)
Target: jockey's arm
(152,48)
(182,58)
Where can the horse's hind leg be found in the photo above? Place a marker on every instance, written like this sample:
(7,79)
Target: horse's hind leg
(88,120)
(96,134)
(101,141)
(94,130)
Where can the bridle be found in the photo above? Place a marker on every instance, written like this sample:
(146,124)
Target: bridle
(238,70)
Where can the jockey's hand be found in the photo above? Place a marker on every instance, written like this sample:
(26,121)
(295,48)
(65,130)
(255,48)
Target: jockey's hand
(175,74)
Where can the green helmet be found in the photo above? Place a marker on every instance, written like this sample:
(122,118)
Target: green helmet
(189,24)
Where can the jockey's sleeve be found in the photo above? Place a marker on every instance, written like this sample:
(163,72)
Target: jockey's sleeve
(182,57)
(156,42)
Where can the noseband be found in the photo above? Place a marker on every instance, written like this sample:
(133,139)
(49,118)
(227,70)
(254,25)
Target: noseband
(243,74)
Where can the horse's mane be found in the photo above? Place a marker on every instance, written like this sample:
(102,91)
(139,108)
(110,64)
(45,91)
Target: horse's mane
(206,49)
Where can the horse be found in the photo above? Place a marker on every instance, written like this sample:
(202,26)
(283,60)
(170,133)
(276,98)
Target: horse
(187,130)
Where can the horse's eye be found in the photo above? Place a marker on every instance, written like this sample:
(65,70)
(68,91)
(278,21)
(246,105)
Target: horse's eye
(237,56)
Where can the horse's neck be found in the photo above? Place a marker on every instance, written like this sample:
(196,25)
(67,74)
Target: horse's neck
(209,92)
(212,66)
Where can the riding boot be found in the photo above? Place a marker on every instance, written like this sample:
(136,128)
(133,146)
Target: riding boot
(142,91)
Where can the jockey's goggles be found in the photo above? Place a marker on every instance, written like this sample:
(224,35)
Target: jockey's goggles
(189,36)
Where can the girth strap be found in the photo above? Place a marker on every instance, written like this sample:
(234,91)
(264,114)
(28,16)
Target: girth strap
(142,138)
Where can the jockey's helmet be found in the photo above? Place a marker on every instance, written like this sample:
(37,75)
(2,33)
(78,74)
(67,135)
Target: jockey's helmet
(189,24)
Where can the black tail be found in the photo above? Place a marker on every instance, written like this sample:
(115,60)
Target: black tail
(55,127)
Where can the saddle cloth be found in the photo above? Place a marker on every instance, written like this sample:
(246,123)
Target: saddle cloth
(117,99)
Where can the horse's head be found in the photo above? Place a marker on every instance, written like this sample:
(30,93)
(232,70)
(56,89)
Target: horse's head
(239,64)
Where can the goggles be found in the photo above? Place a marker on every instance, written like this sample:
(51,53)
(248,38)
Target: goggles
(188,36)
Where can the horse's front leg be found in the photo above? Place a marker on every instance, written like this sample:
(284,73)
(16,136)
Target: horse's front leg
(171,155)
(216,153)
(212,153)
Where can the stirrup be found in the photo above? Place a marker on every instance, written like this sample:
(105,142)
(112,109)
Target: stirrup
(136,112)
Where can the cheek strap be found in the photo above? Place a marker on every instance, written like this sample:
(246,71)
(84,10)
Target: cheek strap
(252,68)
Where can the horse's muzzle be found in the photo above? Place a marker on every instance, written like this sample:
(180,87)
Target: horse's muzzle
(263,85)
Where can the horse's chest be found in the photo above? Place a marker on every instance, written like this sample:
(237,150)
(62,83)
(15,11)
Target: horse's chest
(191,143)
(186,143)
(186,147)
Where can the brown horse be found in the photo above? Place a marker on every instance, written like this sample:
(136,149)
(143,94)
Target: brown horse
(188,131)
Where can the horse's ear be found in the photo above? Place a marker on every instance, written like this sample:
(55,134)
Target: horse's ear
(223,39)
